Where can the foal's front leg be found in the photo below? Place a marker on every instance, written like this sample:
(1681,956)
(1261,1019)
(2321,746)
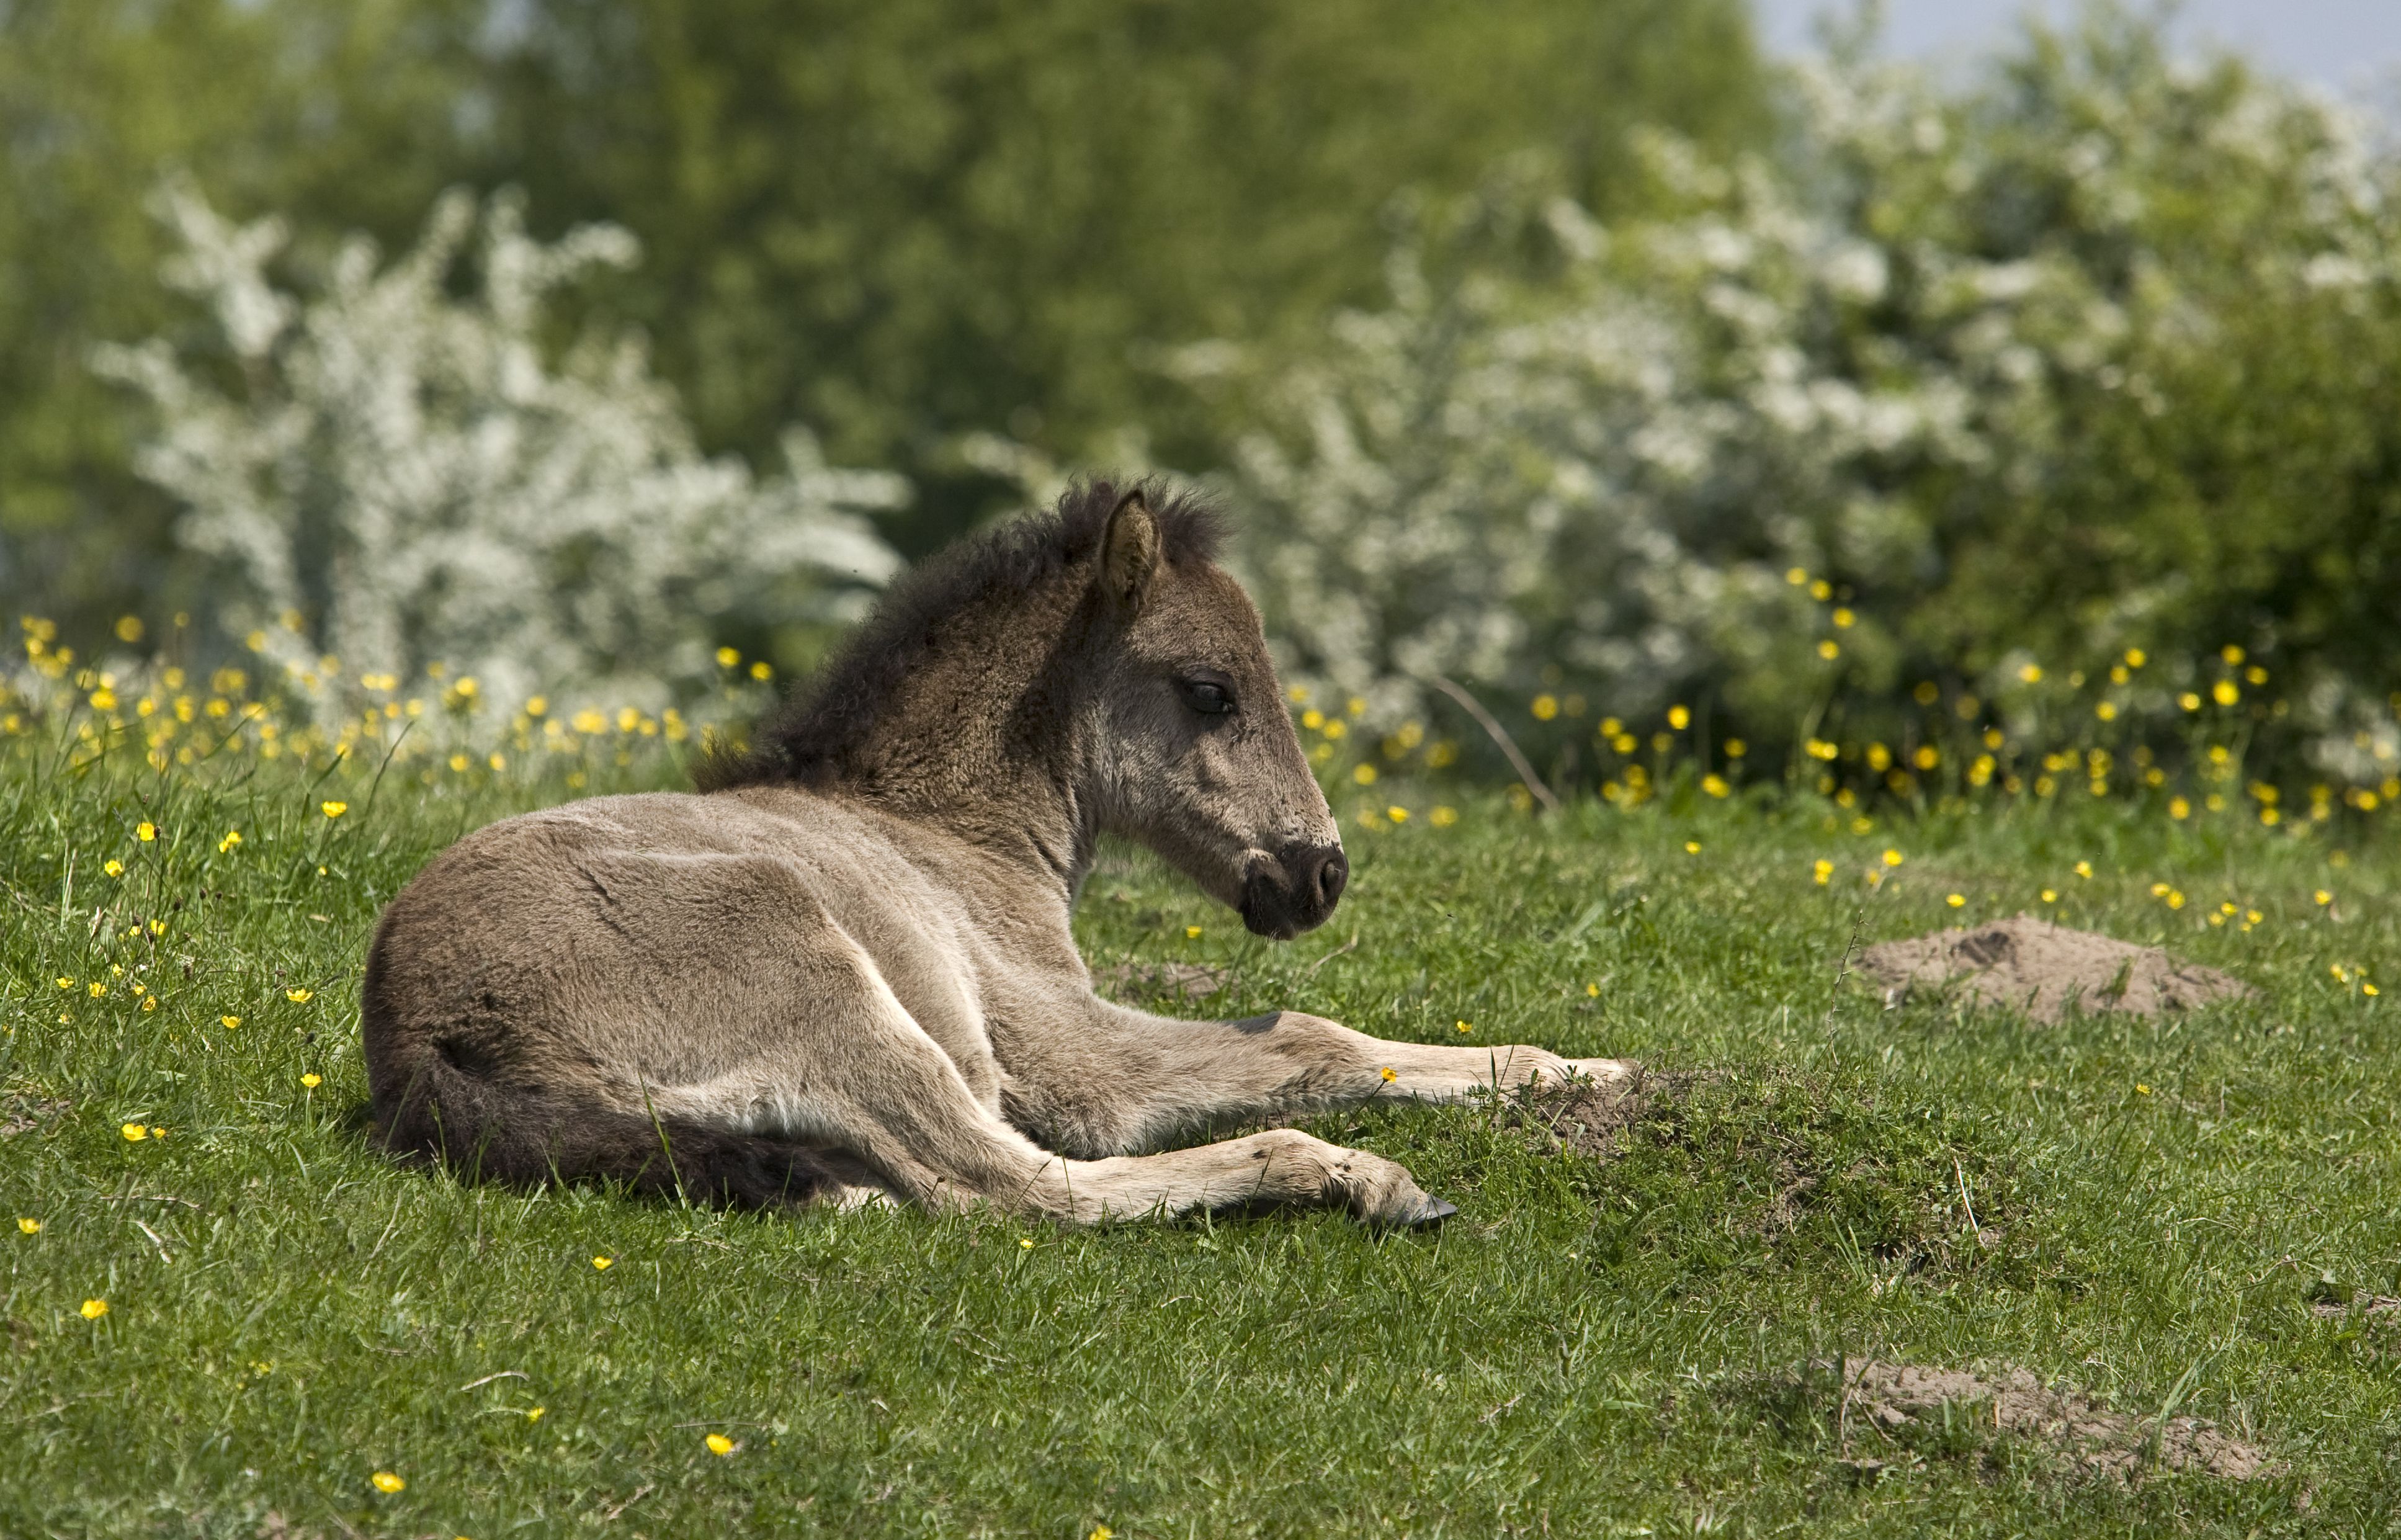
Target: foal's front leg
(1138,1081)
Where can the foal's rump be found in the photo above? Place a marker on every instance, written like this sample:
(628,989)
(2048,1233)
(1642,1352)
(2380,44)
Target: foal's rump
(544,1000)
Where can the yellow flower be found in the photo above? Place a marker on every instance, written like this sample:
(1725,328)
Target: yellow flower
(333,809)
(1387,1073)
(2322,898)
(1443,817)
(1796,576)
(2189,701)
(1957,901)
(299,996)
(134,1133)
(602,1264)
(98,989)
(1465,1028)
(230,1021)
(2179,809)
(1397,813)
(2368,989)
(1716,786)
(114,867)
(232,838)
(1692,848)
(94,1309)
(760,671)
(1827,649)
(2137,657)
(1191,933)
(2225,692)
(537,706)
(728,658)
(30,1227)
(157,927)
(145,831)
(2176,900)
(2050,895)
(1892,858)
(1365,775)
(1822,871)
(2142,1089)
(1821,590)
(720,1444)
(386,1483)
(2031,673)
(2083,869)
(1102,1531)
(533,1414)
(1545,708)
(65,982)
(313,1081)
(2231,653)
(1678,718)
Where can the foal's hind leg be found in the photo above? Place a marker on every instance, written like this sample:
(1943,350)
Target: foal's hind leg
(867,1077)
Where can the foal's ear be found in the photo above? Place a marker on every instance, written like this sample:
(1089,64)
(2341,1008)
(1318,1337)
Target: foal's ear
(1130,553)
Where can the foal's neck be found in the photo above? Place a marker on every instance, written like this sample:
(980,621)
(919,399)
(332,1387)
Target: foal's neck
(983,739)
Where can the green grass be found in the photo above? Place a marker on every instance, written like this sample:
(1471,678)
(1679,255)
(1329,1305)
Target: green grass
(1588,1349)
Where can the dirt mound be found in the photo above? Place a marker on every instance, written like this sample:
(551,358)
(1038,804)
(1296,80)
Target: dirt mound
(23,1112)
(2043,970)
(1587,1116)
(1146,984)
(1894,1398)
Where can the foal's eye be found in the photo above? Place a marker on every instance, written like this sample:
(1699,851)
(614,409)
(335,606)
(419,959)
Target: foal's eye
(1207,696)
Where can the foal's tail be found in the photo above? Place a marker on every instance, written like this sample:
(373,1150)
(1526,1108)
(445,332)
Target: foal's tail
(489,1131)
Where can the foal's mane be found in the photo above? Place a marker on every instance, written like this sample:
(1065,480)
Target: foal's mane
(805,741)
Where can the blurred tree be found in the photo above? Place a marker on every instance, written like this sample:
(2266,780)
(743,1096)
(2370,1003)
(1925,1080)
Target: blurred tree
(904,221)
(892,223)
(349,112)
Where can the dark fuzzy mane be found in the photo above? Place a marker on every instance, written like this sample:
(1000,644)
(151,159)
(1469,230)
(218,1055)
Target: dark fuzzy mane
(804,740)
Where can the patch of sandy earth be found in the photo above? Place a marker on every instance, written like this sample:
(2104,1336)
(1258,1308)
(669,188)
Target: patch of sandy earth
(1587,1117)
(1148,981)
(2043,970)
(1894,1397)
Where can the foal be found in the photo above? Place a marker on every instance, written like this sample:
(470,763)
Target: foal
(845,971)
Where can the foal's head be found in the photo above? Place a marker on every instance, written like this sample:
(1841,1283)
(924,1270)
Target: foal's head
(1196,753)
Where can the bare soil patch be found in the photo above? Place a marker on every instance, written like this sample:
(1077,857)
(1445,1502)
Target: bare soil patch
(1589,1118)
(1896,1398)
(1149,983)
(23,1112)
(2044,970)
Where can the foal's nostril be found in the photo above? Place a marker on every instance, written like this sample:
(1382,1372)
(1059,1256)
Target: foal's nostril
(1333,871)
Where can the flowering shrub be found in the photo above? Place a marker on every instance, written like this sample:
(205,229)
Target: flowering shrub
(2059,407)
(390,476)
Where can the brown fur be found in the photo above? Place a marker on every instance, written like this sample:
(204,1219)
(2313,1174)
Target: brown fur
(848,972)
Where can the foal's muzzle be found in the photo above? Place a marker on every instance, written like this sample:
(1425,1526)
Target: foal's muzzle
(1294,890)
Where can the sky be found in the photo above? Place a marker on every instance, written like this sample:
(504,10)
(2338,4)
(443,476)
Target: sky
(2351,46)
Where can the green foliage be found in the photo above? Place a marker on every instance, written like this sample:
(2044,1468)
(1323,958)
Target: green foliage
(1585,1344)
(348,112)
(891,222)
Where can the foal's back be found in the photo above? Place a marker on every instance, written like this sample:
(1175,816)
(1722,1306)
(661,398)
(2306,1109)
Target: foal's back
(608,951)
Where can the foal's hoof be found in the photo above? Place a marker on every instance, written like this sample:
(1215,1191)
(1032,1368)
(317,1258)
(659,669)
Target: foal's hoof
(1430,1210)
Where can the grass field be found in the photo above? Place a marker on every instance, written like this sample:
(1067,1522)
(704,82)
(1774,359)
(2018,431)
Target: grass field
(1590,1348)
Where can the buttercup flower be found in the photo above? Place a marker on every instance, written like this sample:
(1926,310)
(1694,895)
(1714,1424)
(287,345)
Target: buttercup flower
(30,1226)
(720,1444)
(299,996)
(94,1309)
(134,1133)
(145,831)
(333,809)
(602,1264)
(313,1081)
(387,1482)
